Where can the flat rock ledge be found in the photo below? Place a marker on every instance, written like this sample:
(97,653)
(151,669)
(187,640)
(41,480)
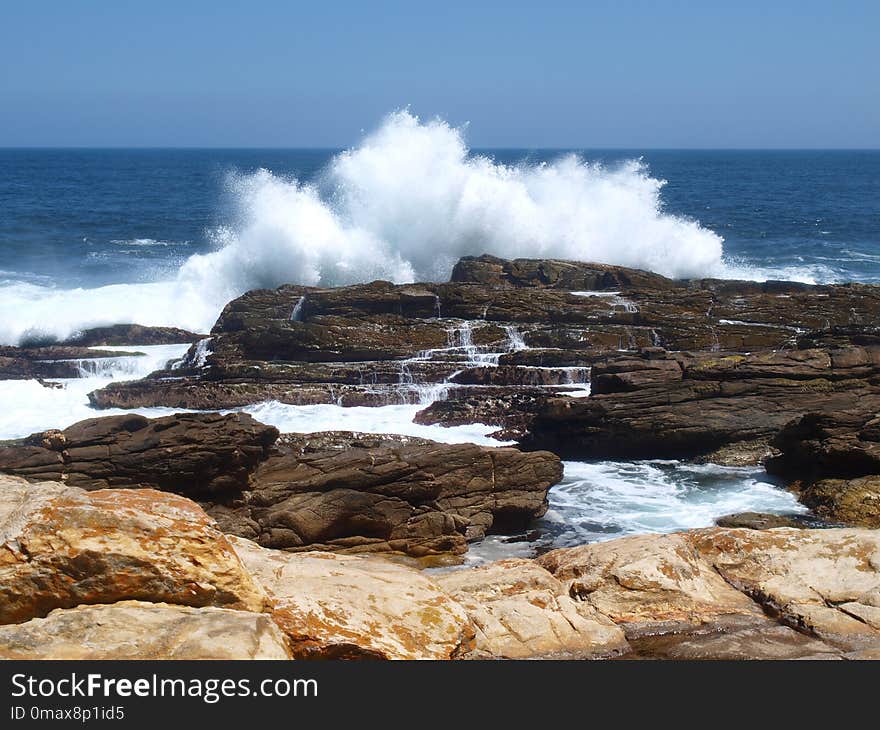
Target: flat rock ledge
(144,574)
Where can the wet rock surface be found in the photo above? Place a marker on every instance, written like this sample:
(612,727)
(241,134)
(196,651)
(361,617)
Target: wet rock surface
(521,323)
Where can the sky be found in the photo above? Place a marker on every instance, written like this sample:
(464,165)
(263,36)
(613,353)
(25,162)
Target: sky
(589,74)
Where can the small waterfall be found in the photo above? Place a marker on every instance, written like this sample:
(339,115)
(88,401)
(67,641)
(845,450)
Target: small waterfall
(128,367)
(406,376)
(109,367)
(425,393)
(515,341)
(296,314)
(200,356)
(461,339)
(613,297)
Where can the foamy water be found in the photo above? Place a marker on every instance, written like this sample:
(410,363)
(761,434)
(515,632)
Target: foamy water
(404,205)
(26,406)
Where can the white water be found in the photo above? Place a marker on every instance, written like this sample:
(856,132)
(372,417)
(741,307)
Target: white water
(605,500)
(404,205)
(26,406)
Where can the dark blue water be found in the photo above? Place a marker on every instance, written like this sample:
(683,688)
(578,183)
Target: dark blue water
(92,217)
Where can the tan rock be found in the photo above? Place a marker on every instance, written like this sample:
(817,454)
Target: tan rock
(521,611)
(61,547)
(648,583)
(824,582)
(347,606)
(138,630)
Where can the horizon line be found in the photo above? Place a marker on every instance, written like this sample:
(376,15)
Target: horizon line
(477,148)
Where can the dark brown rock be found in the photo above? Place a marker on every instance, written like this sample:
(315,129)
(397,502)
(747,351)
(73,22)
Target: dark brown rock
(194,393)
(551,273)
(710,402)
(846,501)
(194,454)
(833,459)
(511,409)
(830,444)
(132,334)
(362,493)
(764,521)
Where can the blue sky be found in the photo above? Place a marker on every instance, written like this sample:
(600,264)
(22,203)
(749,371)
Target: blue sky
(609,73)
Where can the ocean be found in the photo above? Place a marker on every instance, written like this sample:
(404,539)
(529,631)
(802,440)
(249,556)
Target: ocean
(167,237)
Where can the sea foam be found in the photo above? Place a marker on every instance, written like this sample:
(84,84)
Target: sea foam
(403,205)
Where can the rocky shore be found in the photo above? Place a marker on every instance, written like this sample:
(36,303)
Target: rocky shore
(312,545)
(139,573)
(333,490)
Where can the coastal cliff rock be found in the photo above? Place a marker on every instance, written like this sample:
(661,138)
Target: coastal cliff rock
(521,611)
(362,492)
(687,405)
(352,607)
(833,460)
(61,547)
(703,584)
(195,454)
(145,631)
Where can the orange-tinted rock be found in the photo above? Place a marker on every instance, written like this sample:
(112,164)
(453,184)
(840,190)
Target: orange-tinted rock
(61,547)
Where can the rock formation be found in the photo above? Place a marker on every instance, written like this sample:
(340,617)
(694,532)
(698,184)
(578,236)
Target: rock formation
(361,492)
(195,454)
(337,490)
(139,630)
(351,607)
(685,405)
(63,547)
(142,574)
